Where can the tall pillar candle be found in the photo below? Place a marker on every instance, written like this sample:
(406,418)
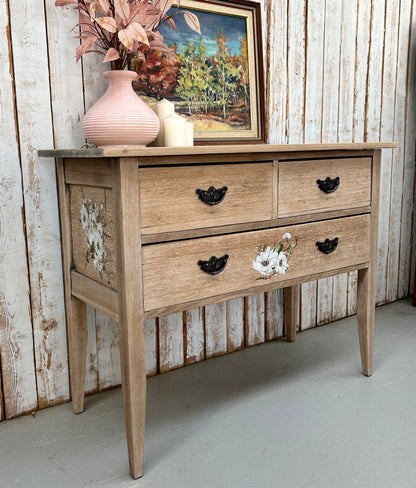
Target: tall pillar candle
(189,133)
(174,131)
(164,109)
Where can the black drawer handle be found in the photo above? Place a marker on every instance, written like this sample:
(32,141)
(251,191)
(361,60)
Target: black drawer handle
(212,196)
(214,265)
(328,245)
(328,185)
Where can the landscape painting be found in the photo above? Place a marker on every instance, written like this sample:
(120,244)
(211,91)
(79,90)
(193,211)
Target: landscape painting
(213,78)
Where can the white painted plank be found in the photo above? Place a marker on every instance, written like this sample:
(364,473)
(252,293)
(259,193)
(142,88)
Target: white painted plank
(313,124)
(330,101)
(411,97)
(41,210)
(296,71)
(108,351)
(235,324)
(16,342)
(91,377)
(254,320)
(171,353)
(277,73)
(387,134)
(65,76)
(150,337)
(194,336)
(398,155)
(274,315)
(406,269)
(345,131)
(215,329)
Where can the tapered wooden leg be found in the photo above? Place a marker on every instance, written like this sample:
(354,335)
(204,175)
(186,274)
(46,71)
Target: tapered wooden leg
(291,311)
(365,318)
(77,352)
(131,314)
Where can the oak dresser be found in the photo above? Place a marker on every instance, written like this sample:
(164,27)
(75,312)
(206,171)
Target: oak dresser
(151,231)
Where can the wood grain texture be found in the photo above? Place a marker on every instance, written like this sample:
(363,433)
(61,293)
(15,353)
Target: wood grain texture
(131,312)
(300,178)
(163,286)
(274,314)
(32,91)
(245,200)
(390,61)
(194,336)
(291,308)
(254,319)
(16,342)
(215,329)
(235,324)
(171,354)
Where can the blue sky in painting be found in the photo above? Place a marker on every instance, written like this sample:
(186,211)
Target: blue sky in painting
(234,28)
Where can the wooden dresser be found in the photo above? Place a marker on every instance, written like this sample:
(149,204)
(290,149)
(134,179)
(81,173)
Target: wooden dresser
(147,232)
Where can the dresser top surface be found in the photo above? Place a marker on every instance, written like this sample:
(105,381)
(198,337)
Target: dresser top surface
(116,152)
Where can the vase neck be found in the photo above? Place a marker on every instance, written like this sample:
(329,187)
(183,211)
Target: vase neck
(119,80)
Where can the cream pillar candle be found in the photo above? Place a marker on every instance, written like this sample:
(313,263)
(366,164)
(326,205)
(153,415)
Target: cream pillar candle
(164,108)
(189,133)
(174,131)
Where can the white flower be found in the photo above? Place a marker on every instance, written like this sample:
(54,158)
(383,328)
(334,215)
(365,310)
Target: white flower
(281,263)
(286,235)
(266,262)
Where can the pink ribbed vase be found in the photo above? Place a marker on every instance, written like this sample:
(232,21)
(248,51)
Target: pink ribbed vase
(120,118)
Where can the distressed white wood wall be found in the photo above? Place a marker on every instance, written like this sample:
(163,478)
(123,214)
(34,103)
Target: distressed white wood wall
(336,70)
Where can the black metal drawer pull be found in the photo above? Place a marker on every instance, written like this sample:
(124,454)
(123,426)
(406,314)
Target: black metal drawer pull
(328,245)
(328,185)
(214,265)
(212,196)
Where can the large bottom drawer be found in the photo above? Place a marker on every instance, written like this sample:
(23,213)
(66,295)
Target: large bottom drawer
(183,271)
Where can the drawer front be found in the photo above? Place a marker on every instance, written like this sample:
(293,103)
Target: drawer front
(343,183)
(172,272)
(176,198)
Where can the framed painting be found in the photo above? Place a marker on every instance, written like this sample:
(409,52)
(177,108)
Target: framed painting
(215,79)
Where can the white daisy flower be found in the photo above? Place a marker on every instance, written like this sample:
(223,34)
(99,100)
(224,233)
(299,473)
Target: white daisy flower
(286,235)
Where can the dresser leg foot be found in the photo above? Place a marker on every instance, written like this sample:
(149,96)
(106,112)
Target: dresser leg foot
(291,311)
(77,352)
(365,318)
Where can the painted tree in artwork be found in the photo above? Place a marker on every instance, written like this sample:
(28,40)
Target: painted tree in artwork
(244,85)
(157,72)
(226,72)
(194,78)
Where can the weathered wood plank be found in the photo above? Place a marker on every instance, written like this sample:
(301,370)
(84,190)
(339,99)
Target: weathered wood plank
(313,123)
(330,103)
(254,320)
(405,265)
(235,324)
(393,263)
(276,79)
(108,351)
(150,335)
(387,130)
(194,336)
(274,314)
(215,329)
(91,378)
(345,134)
(16,341)
(171,353)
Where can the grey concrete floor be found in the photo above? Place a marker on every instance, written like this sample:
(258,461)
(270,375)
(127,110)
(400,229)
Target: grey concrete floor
(276,415)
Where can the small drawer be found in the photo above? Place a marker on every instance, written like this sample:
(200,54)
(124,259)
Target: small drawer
(181,198)
(183,271)
(314,186)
